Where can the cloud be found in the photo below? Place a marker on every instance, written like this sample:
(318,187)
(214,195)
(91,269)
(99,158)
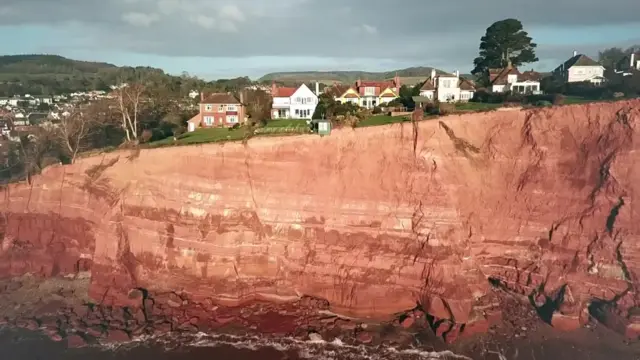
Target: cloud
(369,29)
(139,19)
(418,32)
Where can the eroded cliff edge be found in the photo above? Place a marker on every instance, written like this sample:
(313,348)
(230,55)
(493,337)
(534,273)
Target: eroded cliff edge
(375,221)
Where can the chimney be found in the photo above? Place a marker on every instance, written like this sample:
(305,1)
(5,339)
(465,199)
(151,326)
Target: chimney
(433,74)
(575,53)
(457,73)
(358,82)
(273,88)
(317,89)
(396,80)
(201,96)
(241,97)
(633,56)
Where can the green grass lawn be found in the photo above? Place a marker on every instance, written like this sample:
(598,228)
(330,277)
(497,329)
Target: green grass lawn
(202,136)
(281,123)
(476,106)
(576,100)
(376,120)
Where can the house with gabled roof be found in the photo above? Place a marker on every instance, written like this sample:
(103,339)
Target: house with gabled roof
(218,110)
(293,102)
(580,68)
(367,93)
(511,79)
(447,87)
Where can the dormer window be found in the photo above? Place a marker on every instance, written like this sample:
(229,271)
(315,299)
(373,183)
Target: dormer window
(369,90)
(511,78)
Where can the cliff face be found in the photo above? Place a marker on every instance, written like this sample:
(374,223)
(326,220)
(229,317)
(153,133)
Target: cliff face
(375,221)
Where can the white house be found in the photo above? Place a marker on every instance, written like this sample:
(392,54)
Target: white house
(511,79)
(293,103)
(446,87)
(580,68)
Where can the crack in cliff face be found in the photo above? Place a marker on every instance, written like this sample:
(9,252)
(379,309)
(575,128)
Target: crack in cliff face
(613,214)
(537,155)
(461,145)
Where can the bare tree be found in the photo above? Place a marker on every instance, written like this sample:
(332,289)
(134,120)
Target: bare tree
(73,132)
(129,100)
(258,105)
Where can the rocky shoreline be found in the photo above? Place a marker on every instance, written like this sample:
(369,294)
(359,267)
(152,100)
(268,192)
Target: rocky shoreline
(62,312)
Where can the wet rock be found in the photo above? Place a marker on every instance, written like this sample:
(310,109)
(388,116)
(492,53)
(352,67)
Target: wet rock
(75,341)
(117,336)
(315,337)
(408,322)
(565,322)
(364,337)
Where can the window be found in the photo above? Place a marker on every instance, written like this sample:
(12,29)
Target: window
(208,120)
(297,111)
(208,107)
(220,108)
(232,119)
(373,103)
(369,90)
(298,100)
(310,100)
(232,107)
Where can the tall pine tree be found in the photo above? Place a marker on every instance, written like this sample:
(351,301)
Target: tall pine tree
(504,43)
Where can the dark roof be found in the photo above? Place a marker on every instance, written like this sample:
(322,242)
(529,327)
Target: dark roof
(500,76)
(465,84)
(36,118)
(428,85)
(220,98)
(580,60)
(337,90)
(530,76)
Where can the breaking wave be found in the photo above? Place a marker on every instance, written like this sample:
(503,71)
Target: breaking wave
(318,349)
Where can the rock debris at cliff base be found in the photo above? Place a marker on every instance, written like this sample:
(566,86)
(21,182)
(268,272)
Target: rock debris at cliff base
(376,222)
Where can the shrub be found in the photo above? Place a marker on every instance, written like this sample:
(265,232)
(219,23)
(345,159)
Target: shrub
(234,127)
(377,110)
(446,108)
(543,103)
(177,131)
(146,136)
(431,109)
(558,99)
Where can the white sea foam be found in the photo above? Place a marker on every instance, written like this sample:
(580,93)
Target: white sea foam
(321,350)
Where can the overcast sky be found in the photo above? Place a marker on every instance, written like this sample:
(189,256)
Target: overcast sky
(225,38)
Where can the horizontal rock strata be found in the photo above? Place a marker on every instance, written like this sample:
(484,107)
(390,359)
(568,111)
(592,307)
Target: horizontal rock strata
(376,221)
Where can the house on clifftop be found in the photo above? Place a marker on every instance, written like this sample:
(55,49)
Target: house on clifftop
(445,87)
(293,103)
(580,68)
(511,79)
(367,94)
(218,110)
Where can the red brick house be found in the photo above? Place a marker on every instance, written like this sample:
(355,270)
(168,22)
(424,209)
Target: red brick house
(218,110)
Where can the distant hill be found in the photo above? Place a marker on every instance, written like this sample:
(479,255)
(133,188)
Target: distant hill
(409,76)
(53,74)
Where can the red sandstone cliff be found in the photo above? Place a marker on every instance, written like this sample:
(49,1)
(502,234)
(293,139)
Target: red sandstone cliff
(541,202)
